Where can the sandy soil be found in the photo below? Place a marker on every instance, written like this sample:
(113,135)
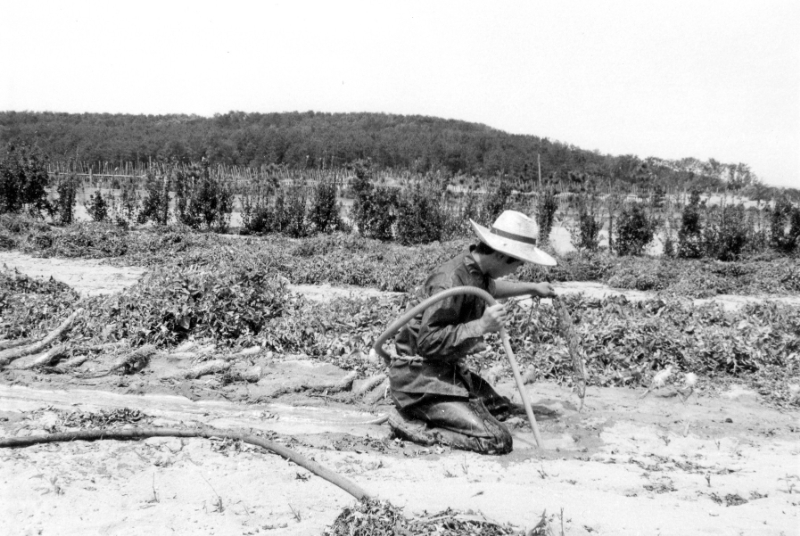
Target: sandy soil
(722,463)
(625,465)
(87,276)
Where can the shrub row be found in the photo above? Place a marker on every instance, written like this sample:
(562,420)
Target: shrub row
(623,343)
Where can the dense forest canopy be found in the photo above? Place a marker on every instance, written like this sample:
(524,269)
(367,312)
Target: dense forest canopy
(312,140)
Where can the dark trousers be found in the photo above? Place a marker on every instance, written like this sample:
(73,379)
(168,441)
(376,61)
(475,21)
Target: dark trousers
(466,423)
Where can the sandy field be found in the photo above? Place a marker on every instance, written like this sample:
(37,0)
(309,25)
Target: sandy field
(723,462)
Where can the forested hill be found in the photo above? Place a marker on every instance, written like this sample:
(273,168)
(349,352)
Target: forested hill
(414,143)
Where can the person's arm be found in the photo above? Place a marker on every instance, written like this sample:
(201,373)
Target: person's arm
(440,335)
(442,331)
(509,289)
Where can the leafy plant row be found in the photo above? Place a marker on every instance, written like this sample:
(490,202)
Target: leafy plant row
(623,343)
(346,259)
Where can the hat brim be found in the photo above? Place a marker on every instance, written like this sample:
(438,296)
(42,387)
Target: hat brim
(513,248)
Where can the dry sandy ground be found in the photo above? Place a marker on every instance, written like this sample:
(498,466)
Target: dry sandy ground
(625,465)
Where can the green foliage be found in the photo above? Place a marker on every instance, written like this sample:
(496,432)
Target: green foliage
(155,205)
(546,207)
(495,202)
(635,230)
(227,303)
(574,266)
(126,207)
(291,211)
(82,240)
(374,207)
(202,199)
(66,187)
(334,330)
(419,218)
(589,228)
(97,207)
(306,140)
(726,232)
(30,307)
(256,206)
(234,292)
(690,235)
(785,226)
(284,212)
(90,240)
(23,179)
(623,343)
(324,214)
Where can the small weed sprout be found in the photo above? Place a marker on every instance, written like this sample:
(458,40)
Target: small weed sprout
(542,473)
(155,498)
(218,504)
(56,486)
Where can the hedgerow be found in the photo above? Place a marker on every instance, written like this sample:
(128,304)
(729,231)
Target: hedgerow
(623,343)
(23,182)
(635,229)
(346,259)
(31,306)
(419,218)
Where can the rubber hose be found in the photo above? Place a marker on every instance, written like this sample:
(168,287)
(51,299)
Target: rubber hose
(395,326)
(208,433)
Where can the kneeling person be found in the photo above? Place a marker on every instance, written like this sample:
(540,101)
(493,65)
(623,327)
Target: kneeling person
(429,379)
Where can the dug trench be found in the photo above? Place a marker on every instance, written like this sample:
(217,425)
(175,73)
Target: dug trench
(720,463)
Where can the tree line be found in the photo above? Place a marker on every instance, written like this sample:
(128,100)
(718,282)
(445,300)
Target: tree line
(306,140)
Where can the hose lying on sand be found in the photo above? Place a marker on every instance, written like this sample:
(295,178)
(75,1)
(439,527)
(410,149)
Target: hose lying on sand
(141,433)
(392,330)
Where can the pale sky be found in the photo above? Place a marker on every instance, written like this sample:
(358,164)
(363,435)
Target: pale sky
(672,79)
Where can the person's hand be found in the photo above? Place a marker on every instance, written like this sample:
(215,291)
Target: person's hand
(545,290)
(494,318)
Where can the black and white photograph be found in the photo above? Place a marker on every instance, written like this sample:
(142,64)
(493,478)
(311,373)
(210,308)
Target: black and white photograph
(360,268)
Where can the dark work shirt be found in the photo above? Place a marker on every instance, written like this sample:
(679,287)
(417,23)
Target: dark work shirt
(440,335)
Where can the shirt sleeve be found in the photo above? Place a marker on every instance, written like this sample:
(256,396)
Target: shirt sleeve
(442,333)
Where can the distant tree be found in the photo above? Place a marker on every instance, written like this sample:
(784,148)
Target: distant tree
(97,207)
(324,207)
(23,179)
(635,229)
(726,231)
(739,177)
(155,205)
(202,199)
(495,201)
(374,208)
(589,224)
(785,226)
(546,207)
(309,140)
(690,237)
(419,217)
(66,187)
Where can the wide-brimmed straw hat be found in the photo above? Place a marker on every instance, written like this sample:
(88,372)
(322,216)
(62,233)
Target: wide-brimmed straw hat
(514,234)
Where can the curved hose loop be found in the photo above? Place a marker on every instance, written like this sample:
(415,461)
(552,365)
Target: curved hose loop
(395,326)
